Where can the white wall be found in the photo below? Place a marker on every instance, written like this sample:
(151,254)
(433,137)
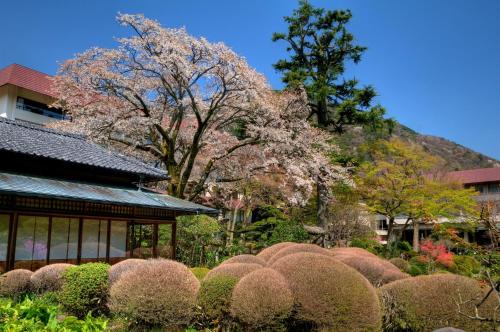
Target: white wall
(8,100)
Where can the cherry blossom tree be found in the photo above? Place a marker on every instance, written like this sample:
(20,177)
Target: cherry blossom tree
(194,107)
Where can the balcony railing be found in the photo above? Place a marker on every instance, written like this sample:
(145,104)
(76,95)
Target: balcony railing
(41,111)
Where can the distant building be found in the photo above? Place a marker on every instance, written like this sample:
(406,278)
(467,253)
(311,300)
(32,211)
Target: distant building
(486,181)
(25,94)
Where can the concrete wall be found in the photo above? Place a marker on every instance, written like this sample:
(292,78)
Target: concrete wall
(8,100)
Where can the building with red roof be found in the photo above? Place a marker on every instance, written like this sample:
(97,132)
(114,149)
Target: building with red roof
(485,180)
(25,94)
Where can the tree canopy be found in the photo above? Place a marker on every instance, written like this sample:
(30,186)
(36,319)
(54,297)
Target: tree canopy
(320,46)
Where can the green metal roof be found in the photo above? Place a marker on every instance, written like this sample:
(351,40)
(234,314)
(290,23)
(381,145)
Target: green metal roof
(51,188)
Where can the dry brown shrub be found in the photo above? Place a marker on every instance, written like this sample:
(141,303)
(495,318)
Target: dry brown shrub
(48,278)
(375,269)
(350,251)
(429,302)
(159,292)
(250,259)
(262,300)
(237,270)
(328,294)
(15,283)
(269,252)
(296,248)
(116,270)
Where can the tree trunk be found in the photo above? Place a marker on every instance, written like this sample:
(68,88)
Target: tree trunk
(416,235)
(323,198)
(322,113)
(390,229)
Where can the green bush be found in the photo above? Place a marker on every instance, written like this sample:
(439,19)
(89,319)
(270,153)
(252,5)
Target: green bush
(38,315)
(425,303)
(159,293)
(465,265)
(417,266)
(214,297)
(369,244)
(400,263)
(15,283)
(329,295)
(200,272)
(288,231)
(85,289)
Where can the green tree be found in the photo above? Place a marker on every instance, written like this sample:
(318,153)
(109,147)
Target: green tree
(320,46)
(402,179)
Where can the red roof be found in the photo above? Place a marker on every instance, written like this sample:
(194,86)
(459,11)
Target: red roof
(479,175)
(27,78)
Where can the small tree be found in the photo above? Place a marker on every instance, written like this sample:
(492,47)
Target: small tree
(401,179)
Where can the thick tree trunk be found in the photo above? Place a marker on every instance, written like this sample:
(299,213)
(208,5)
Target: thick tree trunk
(322,113)
(323,199)
(416,235)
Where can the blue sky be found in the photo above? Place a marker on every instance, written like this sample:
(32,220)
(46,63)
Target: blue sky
(435,64)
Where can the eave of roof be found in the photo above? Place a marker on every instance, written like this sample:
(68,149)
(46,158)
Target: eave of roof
(15,184)
(35,140)
(479,175)
(27,78)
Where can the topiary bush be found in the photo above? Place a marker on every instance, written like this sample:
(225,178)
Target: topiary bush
(15,283)
(418,266)
(269,252)
(237,270)
(116,270)
(400,263)
(214,297)
(296,248)
(250,259)
(376,270)
(329,295)
(160,292)
(262,300)
(429,302)
(200,272)
(85,289)
(350,251)
(49,278)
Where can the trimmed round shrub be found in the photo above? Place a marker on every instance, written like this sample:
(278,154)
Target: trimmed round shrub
(351,251)
(85,289)
(329,294)
(269,252)
(49,278)
(160,292)
(262,299)
(116,270)
(376,270)
(15,283)
(429,302)
(214,297)
(237,270)
(400,263)
(200,272)
(249,259)
(296,248)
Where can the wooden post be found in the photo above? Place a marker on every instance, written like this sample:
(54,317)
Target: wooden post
(174,239)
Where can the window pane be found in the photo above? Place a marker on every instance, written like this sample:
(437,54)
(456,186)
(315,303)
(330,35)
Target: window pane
(64,239)
(94,235)
(164,247)
(118,239)
(31,241)
(90,238)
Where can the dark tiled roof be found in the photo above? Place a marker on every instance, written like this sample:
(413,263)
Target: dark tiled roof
(27,78)
(31,139)
(51,188)
(479,175)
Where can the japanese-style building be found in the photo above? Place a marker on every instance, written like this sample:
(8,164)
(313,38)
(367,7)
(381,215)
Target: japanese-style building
(65,199)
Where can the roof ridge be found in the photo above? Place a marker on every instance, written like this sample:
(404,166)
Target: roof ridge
(36,126)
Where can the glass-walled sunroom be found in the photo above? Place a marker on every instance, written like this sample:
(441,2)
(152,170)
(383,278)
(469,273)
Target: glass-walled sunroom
(30,241)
